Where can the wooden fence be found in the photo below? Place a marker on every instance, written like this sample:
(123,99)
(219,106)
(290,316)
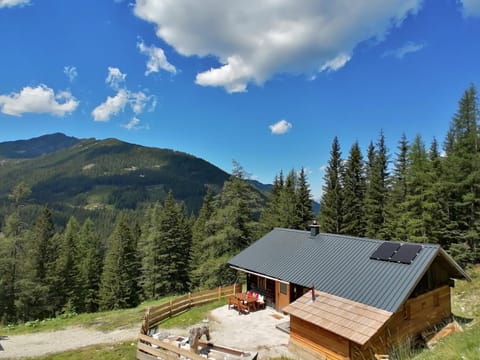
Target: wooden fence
(153,315)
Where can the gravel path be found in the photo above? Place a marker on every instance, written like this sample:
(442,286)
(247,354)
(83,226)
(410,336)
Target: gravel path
(255,331)
(42,343)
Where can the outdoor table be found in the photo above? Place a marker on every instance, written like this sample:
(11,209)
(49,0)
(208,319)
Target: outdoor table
(250,300)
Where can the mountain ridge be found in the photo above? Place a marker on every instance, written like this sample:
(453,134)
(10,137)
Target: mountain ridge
(65,171)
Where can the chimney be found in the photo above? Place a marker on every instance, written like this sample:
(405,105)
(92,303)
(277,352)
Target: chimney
(313,293)
(314,229)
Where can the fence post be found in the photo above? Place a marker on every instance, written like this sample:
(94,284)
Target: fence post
(189,300)
(145,322)
(219,292)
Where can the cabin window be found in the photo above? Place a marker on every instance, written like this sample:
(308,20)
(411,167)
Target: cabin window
(283,288)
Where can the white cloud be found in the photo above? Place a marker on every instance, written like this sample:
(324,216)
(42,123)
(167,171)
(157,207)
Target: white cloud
(280,127)
(133,124)
(156,59)
(111,106)
(115,78)
(471,7)
(70,72)
(40,99)
(139,100)
(12,3)
(407,48)
(256,39)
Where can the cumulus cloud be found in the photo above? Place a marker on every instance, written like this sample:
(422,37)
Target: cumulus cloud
(156,59)
(281,127)
(70,72)
(112,106)
(255,39)
(40,99)
(115,78)
(12,3)
(471,7)
(409,47)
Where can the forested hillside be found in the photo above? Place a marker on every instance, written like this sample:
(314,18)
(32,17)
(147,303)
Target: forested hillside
(110,256)
(97,177)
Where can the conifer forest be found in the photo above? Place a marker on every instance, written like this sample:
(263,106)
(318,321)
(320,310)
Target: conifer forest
(418,192)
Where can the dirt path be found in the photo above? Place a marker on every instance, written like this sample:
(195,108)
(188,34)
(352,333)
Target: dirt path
(256,331)
(42,343)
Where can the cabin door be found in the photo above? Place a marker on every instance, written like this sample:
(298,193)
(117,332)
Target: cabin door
(282,292)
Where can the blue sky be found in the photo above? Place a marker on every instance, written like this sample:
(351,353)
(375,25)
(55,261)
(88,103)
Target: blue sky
(265,83)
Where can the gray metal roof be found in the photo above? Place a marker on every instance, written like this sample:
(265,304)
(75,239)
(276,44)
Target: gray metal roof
(339,265)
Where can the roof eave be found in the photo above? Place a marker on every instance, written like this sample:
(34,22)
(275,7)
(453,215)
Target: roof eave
(454,264)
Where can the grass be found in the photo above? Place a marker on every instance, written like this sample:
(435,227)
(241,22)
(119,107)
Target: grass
(466,306)
(118,351)
(102,321)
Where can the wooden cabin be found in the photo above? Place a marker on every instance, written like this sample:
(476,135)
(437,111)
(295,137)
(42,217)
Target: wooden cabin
(348,297)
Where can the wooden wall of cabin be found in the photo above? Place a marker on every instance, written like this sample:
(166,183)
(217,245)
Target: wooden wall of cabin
(416,315)
(311,342)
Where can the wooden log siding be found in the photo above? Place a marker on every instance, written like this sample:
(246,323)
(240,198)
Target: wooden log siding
(156,314)
(419,314)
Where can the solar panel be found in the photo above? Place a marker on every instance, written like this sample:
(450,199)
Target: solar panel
(385,251)
(406,253)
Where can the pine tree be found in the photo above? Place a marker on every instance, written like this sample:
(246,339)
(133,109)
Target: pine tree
(174,241)
(90,267)
(396,219)
(66,269)
(200,232)
(331,204)
(12,255)
(233,227)
(417,182)
(304,201)
(353,222)
(118,287)
(377,191)
(462,171)
(36,286)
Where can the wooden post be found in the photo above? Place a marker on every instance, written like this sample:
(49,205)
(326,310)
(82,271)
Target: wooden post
(219,292)
(145,322)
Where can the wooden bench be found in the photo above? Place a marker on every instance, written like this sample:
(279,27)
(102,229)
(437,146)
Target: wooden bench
(238,304)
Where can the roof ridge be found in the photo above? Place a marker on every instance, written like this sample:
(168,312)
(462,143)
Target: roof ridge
(379,240)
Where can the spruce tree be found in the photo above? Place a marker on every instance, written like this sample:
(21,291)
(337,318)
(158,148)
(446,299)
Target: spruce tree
(90,266)
(200,232)
(396,220)
(331,204)
(353,222)
(174,243)
(233,226)
(377,190)
(304,201)
(418,218)
(462,171)
(118,287)
(67,292)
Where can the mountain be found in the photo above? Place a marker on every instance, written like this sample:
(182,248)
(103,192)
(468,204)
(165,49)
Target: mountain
(26,149)
(93,174)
